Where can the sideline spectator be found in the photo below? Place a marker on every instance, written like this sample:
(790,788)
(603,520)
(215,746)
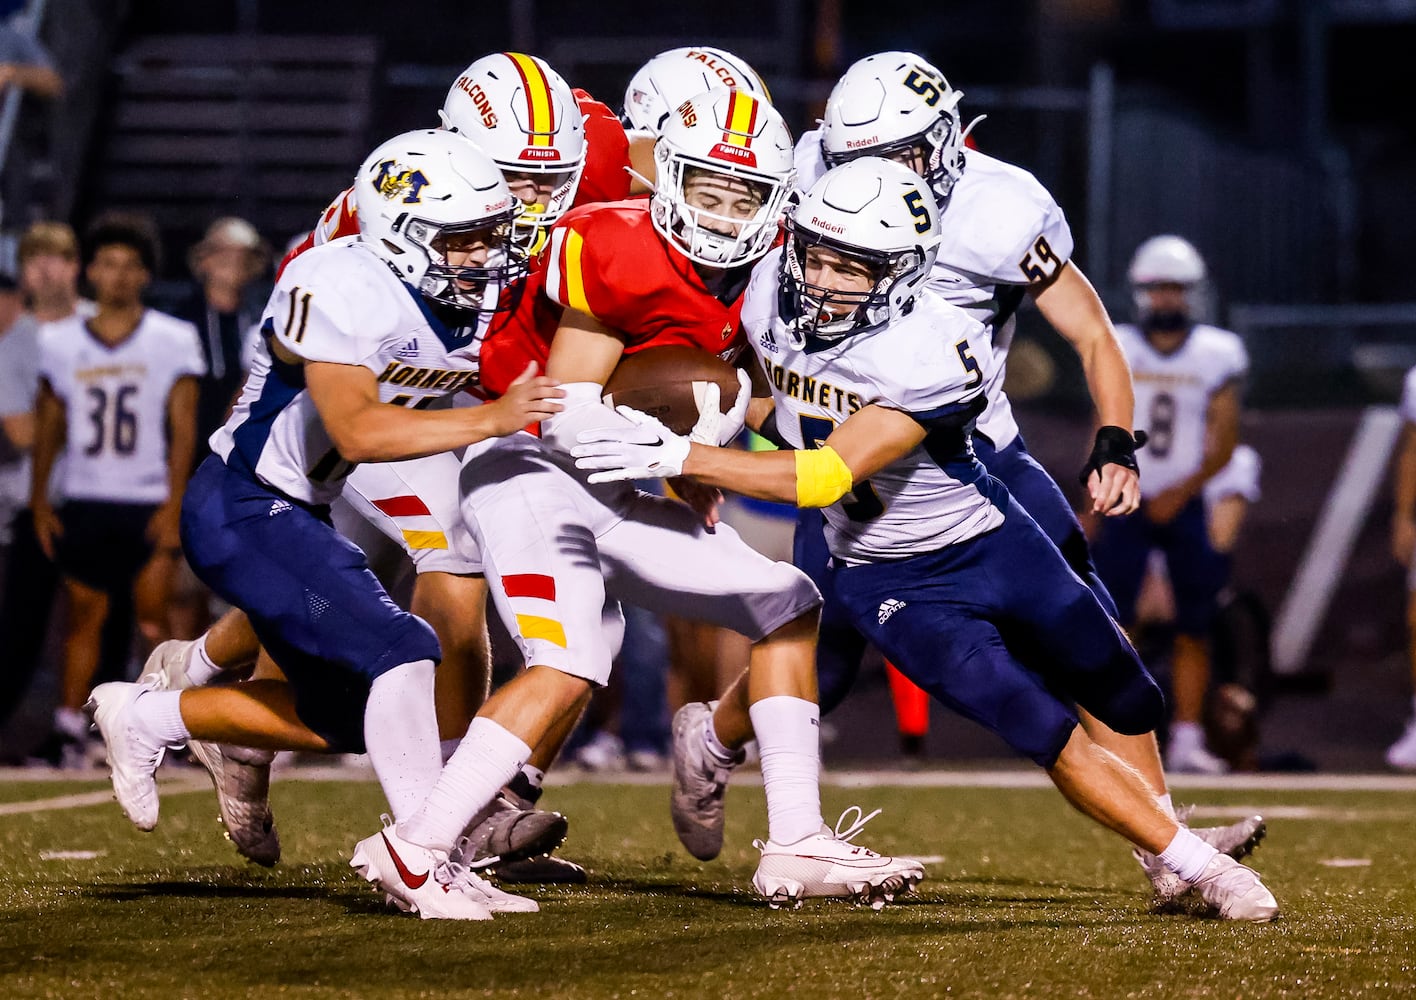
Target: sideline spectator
(117,396)
(1402,753)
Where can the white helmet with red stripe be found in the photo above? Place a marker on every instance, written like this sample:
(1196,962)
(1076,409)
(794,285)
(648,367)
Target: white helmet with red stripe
(672,77)
(723,169)
(524,115)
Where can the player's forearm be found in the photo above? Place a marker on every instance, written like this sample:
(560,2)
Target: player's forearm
(381,432)
(1109,380)
(762,475)
(48,441)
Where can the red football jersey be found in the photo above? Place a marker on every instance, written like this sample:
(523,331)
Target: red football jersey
(609,261)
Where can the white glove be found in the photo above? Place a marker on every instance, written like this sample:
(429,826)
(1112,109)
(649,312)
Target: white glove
(716,428)
(648,450)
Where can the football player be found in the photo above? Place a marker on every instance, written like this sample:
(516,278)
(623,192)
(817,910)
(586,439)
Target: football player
(117,403)
(555,147)
(358,337)
(875,384)
(1003,238)
(1188,377)
(626,277)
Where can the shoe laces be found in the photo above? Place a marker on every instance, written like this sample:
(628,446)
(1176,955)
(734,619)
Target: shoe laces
(849,833)
(465,849)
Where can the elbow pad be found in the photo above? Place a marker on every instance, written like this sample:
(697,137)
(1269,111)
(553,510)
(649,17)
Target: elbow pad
(822,477)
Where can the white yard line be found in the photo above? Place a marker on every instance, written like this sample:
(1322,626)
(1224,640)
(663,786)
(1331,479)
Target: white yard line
(178,786)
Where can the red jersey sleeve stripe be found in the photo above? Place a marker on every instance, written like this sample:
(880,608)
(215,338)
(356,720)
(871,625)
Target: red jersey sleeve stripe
(530,585)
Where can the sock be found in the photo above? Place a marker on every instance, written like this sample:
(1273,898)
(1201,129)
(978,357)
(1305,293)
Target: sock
(1187,855)
(717,748)
(159,715)
(487,759)
(789,739)
(401,734)
(446,748)
(200,667)
(526,784)
(1167,806)
(72,723)
(1188,734)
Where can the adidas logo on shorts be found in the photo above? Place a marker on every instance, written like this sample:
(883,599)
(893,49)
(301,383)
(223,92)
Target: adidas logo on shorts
(279,507)
(888,607)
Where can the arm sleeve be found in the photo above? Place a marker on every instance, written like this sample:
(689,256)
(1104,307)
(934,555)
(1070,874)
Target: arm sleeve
(188,358)
(592,269)
(322,316)
(1046,250)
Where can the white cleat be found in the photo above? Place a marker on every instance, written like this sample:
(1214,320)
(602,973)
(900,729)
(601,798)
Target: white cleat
(1237,840)
(1235,891)
(1402,754)
(241,777)
(828,865)
(700,783)
(166,666)
(132,757)
(417,879)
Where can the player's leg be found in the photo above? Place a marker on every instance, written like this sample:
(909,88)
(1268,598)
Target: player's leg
(152,596)
(840,647)
(1402,753)
(87,610)
(1197,575)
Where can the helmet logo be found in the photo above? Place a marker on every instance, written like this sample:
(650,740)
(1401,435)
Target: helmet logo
(862,143)
(394,179)
(721,72)
(480,101)
(689,116)
(922,85)
(830,227)
(539,153)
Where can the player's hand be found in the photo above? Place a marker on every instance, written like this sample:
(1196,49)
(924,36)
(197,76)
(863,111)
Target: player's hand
(164,528)
(715,427)
(1403,539)
(47,528)
(703,499)
(647,450)
(1115,490)
(1166,505)
(529,399)
(1111,475)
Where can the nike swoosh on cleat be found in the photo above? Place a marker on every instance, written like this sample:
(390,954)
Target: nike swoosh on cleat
(409,879)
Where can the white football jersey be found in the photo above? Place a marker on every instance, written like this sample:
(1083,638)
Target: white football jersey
(115,400)
(338,303)
(932,364)
(1172,397)
(1408,398)
(1001,231)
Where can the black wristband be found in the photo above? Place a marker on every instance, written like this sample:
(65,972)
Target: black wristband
(1113,446)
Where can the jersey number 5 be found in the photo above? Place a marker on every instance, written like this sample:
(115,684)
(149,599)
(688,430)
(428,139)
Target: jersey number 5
(862,503)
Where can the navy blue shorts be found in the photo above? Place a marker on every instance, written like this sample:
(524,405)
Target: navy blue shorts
(1197,572)
(839,652)
(104,545)
(312,600)
(1001,630)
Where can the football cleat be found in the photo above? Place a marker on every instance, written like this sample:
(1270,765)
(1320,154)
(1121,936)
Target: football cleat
(1237,840)
(508,830)
(418,879)
(166,666)
(700,783)
(133,757)
(827,864)
(1235,891)
(545,870)
(241,777)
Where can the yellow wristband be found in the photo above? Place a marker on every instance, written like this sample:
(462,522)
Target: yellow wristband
(822,477)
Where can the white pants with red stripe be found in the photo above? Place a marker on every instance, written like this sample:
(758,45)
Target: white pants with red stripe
(553,548)
(407,515)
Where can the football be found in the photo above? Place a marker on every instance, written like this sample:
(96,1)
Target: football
(668,383)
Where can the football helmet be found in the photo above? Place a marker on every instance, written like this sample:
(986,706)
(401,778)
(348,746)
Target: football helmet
(1167,260)
(897,105)
(524,115)
(872,212)
(730,134)
(672,77)
(420,189)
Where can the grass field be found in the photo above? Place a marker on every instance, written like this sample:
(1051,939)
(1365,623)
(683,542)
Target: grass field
(1023,899)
